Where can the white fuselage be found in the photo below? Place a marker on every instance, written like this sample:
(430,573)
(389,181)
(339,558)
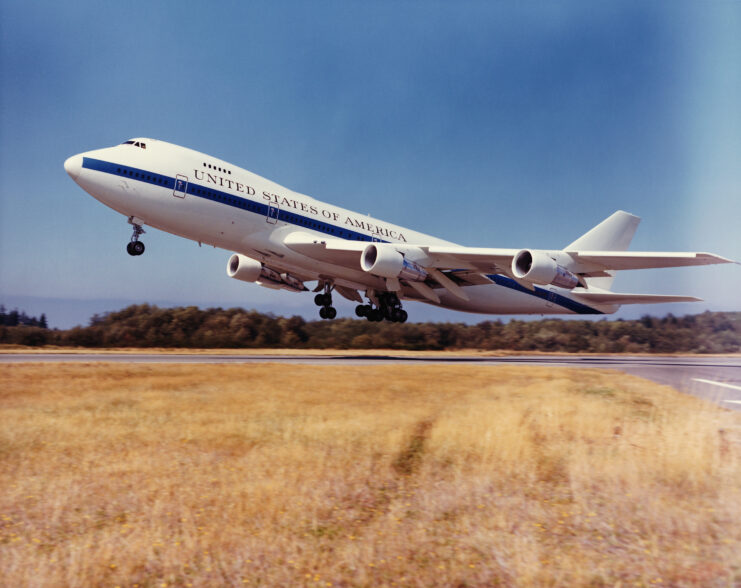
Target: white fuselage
(205,199)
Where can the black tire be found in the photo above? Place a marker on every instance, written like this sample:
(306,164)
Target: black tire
(130,248)
(331,312)
(323,312)
(375,315)
(323,300)
(137,247)
(403,316)
(361,310)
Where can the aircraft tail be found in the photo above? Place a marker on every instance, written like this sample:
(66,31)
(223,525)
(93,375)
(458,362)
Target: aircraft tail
(613,234)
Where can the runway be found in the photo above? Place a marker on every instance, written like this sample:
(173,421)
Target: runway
(714,378)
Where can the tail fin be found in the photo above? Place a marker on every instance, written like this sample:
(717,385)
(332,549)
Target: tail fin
(613,234)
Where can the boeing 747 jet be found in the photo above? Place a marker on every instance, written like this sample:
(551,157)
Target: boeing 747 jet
(282,239)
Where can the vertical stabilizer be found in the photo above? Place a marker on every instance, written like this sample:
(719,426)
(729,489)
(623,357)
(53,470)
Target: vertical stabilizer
(613,234)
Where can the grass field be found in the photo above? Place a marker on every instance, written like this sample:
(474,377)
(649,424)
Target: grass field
(275,475)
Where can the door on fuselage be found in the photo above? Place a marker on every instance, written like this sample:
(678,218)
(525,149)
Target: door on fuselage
(272,216)
(181,186)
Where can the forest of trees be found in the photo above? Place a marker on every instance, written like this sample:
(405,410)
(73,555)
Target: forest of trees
(15,318)
(190,327)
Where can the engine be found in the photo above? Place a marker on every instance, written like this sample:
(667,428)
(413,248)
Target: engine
(540,268)
(387,262)
(245,268)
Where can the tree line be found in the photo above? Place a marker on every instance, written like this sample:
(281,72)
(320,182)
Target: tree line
(146,325)
(15,318)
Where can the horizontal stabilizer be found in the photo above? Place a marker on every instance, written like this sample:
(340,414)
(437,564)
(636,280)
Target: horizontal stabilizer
(615,298)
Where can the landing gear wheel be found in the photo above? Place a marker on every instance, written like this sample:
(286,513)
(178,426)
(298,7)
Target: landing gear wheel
(135,247)
(387,306)
(324,298)
(375,315)
(328,312)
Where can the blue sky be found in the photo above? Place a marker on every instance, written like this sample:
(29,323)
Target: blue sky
(501,124)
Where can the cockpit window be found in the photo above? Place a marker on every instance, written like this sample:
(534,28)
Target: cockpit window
(135,143)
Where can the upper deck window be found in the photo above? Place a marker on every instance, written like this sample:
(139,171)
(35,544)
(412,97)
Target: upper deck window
(221,169)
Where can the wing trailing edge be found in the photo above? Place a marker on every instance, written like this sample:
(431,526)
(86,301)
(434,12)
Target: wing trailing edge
(631,260)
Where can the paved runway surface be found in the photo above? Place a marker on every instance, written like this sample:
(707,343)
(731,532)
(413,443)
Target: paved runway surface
(715,378)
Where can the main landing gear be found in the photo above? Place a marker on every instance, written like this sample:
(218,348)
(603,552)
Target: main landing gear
(389,308)
(324,301)
(135,247)
(382,305)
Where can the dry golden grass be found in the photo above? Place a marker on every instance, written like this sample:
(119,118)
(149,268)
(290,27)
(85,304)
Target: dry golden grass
(6,348)
(278,475)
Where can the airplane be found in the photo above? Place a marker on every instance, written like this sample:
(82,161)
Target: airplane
(282,239)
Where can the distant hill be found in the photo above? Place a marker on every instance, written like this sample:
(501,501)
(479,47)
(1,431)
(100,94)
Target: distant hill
(147,325)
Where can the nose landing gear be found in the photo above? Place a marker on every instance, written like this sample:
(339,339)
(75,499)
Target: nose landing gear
(135,247)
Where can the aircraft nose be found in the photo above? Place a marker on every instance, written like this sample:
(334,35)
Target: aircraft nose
(73,166)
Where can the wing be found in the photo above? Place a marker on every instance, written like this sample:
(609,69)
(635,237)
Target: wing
(335,251)
(347,253)
(586,263)
(452,266)
(628,260)
(490,260)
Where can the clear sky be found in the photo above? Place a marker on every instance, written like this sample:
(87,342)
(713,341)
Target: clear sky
(500,124)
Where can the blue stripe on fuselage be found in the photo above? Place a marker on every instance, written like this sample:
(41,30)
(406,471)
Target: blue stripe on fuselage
(261,208)
(226,198)
(546,295)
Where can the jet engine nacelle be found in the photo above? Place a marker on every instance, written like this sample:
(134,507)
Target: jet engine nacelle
(387,262)
(540,268)
(241,267)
